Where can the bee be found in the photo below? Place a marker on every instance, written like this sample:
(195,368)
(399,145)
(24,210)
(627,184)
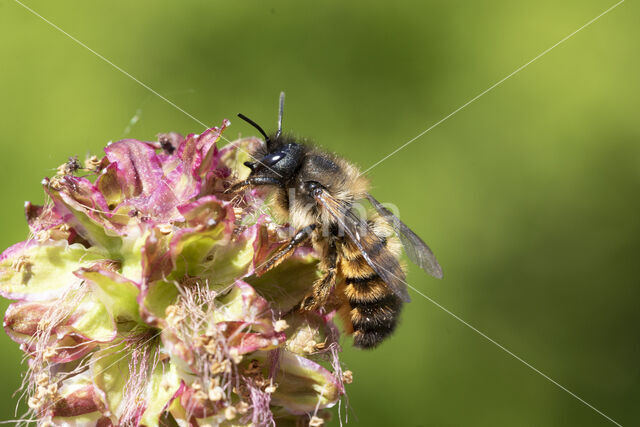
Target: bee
(316,191)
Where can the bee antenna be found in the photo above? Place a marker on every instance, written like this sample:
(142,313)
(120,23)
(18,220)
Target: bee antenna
(255,125)
(280,113)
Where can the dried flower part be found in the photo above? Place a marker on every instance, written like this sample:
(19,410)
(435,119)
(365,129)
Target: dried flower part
(347,377)
(136,299)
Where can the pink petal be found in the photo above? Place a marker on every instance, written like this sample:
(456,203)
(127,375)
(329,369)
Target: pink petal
(40,218)
(139,169)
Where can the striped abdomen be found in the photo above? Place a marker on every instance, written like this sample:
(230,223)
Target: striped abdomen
(369,306)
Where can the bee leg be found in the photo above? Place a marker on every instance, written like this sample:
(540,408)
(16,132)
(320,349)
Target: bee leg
(286,251)
(320,293)
(253,180)
(323,287)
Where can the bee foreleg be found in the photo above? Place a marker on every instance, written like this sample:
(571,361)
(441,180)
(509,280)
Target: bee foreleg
(252,181)
(322,288)
(300,237)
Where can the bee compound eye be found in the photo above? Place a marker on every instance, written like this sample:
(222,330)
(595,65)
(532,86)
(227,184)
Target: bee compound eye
(272,158)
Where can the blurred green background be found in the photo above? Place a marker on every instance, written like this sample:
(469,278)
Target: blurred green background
(530,196)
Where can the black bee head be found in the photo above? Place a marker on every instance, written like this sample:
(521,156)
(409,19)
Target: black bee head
(282,161)
(283,156)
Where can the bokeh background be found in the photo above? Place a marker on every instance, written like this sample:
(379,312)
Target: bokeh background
(530,196)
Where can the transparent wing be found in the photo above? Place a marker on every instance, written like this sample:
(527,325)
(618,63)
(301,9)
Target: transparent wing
(382,262)
(416,249)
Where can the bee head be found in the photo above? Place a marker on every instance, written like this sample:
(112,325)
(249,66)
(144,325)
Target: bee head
(282,161)
(283,157)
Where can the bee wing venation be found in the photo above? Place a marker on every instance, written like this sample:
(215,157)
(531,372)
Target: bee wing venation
(363,237)
(416,249)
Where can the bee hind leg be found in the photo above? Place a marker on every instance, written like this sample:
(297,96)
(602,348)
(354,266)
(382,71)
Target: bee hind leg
(320,293)
(323,287)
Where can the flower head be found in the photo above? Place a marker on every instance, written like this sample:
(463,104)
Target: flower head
(137,302)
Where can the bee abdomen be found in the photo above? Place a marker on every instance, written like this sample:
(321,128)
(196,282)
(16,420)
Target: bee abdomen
(374,309)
